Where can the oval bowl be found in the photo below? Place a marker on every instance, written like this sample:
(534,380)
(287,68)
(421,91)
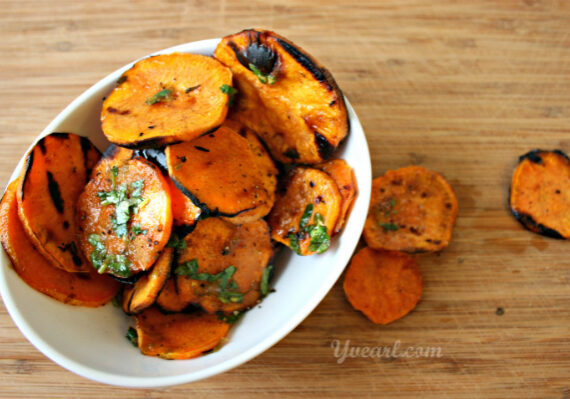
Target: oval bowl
(92,343)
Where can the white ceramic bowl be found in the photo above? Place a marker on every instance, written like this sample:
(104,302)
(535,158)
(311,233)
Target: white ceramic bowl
(92,343)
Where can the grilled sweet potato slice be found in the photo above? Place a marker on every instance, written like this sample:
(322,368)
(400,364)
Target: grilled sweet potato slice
(224,175)
(184,211)
(223,264)
(166,99)
(384,285)
(169,300)
(540,193)
(285,96)
(305,215)
(144,292)
(56,170)
(343,175)
(81,289)
(125,217)
(412,209)
(180,335)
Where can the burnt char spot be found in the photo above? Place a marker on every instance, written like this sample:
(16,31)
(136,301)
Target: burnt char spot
(66,225)
(112,110)
(201,148)
(291,153)
(29,163)
(122,79)
(55,193)
(256,53)
(414,231)
(323,146)
(152,142)
(42,145)
(533,156)
(154,155)
(58,135)
(72,248)
(306,62)
(530,224)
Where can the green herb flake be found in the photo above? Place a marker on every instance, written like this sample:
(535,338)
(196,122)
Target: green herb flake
(226,285)
(263,78)
(103,261)
(230,91)
(176,242)
(388,226)
(320,240)
(231,318)
(161,96)
(133,336)
(136,229)
(306,217)
(264,284)
(294,243)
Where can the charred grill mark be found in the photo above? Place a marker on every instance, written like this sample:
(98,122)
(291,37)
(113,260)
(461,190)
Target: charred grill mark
(72,248)
(532,156)
(530,224)
(306,62)
(323,146)
(42,145)
(152,142)
(122,79)
(201,148)
(29,163)
(55,193)
(58,135)
(154,155)
(112,110)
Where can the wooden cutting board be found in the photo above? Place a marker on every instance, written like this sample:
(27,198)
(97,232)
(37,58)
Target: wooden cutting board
(461,87)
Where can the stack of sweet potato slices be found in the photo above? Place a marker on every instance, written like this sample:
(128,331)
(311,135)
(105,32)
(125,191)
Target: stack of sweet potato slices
(183,210)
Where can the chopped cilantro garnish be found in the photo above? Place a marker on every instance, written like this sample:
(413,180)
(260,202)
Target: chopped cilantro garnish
(136,230)
(388,226)
(226,285)
(294,243)
(230,91)
(320,240)
(317,232)
(264,284)
(176,242)
(231,318)
(132,336)
(306,217)
(125,203)
(103,261)
(161,96)
(263,78)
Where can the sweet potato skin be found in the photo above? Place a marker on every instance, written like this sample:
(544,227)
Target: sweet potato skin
(216,245)
(134,116)
(154,214)
(179,335)
(301,116)
(145,290)
(412,209)
(79,289)
(344,177)
(384,285)
(184,211)
(304,187)
(222,174)
(56,170)
(540,193)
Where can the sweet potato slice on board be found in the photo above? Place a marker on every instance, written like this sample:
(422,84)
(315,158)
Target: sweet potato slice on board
(384,285)
(81,289)
(285,96)
(223,175)
(223,264)
(125,217)
(169,300)
(305,215)
(540,193)
(343,175)
(55,172)
(166,99)
(412,209)
(144,292)
(179,335)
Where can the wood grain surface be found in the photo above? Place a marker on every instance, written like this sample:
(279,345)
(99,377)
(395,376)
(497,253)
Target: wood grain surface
(462,87)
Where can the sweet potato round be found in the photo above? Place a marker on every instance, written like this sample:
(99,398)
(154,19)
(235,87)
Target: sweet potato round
(154,215)
(80,289)
(305,187)
(540,193)
(166,99)
(216,245)
(223,175)
(383,285)
(285,96)
(412,209)
(180,335)
(55,172)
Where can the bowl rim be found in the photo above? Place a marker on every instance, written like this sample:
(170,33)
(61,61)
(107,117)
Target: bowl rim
(204,46)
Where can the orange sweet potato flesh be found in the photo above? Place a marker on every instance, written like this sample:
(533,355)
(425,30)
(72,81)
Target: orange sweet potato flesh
(412,209)
(179,335)
(305,186)
(343,175)
(154,214)
(80,289)
(169,299)
(146,289)
(301,115)
(224,175)
(540,193)
(184,211)
(384,285)
(166,99)
(216,245)
(56,170)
